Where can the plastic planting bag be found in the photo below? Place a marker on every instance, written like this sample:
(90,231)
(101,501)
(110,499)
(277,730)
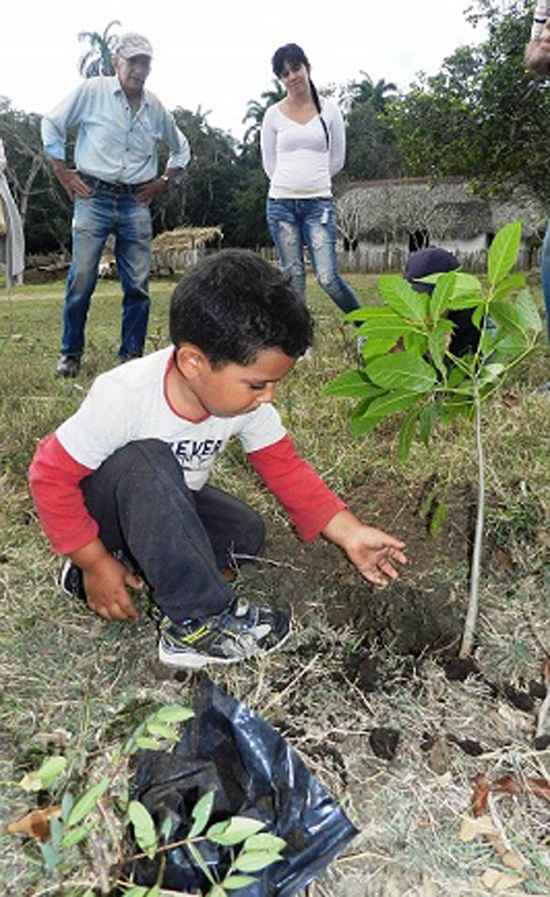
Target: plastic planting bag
(230,750)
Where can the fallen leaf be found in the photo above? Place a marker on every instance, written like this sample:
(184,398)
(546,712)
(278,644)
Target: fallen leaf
(35,824)
(505,561)
(471,828)
(438,758)
(511,859)
(510,399)
(480,795)
(498,881)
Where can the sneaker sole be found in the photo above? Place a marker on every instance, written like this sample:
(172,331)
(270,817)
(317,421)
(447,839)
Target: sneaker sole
(192,660)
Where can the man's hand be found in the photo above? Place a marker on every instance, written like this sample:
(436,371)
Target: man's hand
(371,550)
(537,53)
(105,586)
(148,191)
(70,179)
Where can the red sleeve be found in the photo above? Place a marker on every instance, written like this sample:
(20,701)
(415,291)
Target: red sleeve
(308,501)
(54,478)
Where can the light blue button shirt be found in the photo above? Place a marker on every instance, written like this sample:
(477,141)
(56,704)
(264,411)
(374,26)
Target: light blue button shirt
(112,144)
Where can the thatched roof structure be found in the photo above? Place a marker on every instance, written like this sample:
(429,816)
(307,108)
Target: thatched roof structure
(448,208)
(185,238)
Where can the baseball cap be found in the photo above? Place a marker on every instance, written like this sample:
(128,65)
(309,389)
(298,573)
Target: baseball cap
(432,260)
(133,44)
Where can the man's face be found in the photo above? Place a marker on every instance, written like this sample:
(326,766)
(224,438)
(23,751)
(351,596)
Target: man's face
(132,74)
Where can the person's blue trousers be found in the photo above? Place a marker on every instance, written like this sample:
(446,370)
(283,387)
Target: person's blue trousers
(107,212)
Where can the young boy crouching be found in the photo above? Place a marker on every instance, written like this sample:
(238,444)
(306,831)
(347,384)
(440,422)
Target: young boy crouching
(126,475)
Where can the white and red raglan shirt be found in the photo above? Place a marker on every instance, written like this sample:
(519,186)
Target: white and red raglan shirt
(129,403)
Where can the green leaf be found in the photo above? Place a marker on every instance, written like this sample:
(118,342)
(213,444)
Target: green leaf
(380,408)
(515,281)
(41,779)
(265,841)
(438,517)
(416,344)
(144,828)
(137,891)
(503,252)
(437,342)
(50,856)
(402,299)
(490,372)
(237,829)
(77,834)
(441,296)
(174,713)
(352,383)
(235,882)
(427,501)
(377,346)
(216,891)
(66,805)
(255,860)
(147,744)
(521,314)
(56,831)
(427,419)
(403,373)
(406,435)
(450,408)
(201,814)
(380,322)
(86,803)
(162,730)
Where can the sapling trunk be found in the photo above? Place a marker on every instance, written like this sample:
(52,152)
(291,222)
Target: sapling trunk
(473,604)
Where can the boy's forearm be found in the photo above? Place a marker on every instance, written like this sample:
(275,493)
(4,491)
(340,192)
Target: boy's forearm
(90,555)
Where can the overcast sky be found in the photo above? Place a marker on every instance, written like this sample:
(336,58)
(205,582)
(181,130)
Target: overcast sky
(216,54)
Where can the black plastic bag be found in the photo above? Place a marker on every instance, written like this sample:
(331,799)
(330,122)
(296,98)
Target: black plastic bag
(229,749)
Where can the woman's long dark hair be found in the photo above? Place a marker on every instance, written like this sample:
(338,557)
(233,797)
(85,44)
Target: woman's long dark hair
(294,55)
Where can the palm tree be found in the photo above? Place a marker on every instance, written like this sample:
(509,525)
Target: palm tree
(98,59)
(366,91)
(256,110)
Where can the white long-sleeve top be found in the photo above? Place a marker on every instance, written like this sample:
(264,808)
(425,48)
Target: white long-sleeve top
(296,158)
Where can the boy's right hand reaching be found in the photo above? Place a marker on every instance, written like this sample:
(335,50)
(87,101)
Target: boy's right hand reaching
(105,582)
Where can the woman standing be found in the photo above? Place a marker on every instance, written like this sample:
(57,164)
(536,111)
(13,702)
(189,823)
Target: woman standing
(303,146)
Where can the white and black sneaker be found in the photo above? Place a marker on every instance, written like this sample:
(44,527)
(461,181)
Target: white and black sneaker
(241,632)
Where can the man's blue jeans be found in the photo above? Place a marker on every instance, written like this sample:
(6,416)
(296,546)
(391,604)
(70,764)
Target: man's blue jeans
(294,223)
(545,277)
(107,212)
(179,539)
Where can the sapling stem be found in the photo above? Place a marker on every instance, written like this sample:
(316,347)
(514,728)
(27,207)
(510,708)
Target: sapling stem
(473,603)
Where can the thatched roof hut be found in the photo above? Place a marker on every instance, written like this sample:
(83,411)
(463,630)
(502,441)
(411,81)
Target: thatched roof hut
(175,250)
(383,220)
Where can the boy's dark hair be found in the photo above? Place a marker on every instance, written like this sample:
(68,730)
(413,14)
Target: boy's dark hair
(233,305)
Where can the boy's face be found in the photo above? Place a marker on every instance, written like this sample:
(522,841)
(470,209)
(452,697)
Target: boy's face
(235,388)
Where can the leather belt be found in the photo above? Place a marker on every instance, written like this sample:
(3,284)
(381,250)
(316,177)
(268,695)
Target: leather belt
(113,187)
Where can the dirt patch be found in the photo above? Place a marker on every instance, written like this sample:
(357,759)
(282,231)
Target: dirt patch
(419,615)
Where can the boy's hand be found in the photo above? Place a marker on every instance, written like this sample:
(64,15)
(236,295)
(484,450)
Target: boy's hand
(105,586)
(371,550)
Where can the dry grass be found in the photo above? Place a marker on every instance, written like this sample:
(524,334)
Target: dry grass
(75,684)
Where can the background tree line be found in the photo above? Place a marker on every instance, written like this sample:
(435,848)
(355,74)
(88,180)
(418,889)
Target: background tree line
(482,116)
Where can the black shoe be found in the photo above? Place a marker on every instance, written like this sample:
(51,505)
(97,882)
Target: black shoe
(68,366)
(70,581)
(241,632)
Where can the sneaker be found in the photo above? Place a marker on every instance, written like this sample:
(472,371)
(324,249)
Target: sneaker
(70,581)
(241,632)
(67,366)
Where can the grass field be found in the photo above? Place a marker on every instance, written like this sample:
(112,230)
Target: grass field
(359,662)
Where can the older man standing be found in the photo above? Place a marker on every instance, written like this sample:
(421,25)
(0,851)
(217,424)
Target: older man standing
(537,60)
(120,125)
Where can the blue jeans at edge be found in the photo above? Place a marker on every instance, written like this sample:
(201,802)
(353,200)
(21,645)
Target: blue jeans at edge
(295,223)
(545,277)
(106,212)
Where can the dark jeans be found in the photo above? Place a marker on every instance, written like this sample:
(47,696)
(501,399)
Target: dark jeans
(179,539)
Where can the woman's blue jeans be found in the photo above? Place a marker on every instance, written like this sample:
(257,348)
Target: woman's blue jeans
(295,223)
(107,212)
(179,539)
(545,277)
